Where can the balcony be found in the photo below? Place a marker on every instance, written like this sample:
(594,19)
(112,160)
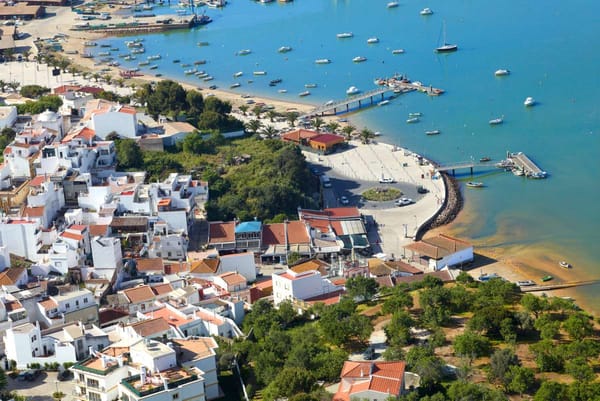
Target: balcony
(134,384)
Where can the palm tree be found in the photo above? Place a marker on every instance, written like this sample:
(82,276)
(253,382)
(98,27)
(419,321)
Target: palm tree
(366,135)
(26,54)
(253,126)
(332,126)
(269,131)
(243,108)
(63,64)
(348,130)
(2,85)
(96,76)
(257,110)
(291,117)
(14,85)
(272,114)
(107,78)
(318,123)
(120,82)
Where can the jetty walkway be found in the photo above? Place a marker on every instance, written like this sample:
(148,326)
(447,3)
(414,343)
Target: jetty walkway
(559,286)
(526,165)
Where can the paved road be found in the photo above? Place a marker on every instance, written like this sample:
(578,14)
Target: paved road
(42,388)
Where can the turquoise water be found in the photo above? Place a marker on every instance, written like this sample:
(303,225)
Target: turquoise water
(550,48)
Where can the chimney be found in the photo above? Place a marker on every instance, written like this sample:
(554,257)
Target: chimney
(143,375)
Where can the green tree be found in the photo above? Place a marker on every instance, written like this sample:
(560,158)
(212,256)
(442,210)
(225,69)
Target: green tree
(361,288)
(471,345)
(286,313)
(580,369)
(398,329)
(547,327)
(318,122)
(348,130)
(33,91)
(272,114)
(46,102)
(550,390)
(243,108)
(253,126)
(534,304)
(332,126)
(435,302)
(7,135)
(463,391)
(394,353)
(578,326)
(464,278)
(520,379)
(292,117)
(366,135)
(3,380)
(288,382)
(269,131)
(341,323)
(500,363)
(398,299)
(547,356)
(129,154)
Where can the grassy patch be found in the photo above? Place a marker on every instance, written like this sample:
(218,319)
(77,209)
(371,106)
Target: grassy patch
(380,194)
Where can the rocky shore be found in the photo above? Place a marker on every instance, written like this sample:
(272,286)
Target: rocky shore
(453,204)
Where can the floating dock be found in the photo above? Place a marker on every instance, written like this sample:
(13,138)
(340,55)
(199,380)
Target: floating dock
(130,28)
(523,163)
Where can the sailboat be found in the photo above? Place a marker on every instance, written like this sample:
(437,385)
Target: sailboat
(446,47)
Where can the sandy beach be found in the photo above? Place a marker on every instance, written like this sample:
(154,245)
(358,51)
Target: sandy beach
(361,162)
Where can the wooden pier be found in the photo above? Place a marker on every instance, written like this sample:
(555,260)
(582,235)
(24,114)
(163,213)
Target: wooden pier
(559,286)
(394,84)
(526,165)
(462,165)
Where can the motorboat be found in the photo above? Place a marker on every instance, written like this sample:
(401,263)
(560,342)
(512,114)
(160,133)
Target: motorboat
(485,159)
(392,4)
(190,71)
(244,52)
(518,172)
(474,184)
(209,78)
(496,121)
(564,264)
(305,93)
(153,67)
(329,103)
(345,35)
(529,101)
(238,74)
(426,11)
(501,72)
(525,283)
(199,62)
(372,40)
(259,73)
(433,132)
(201,44)
(143,63)
(359,59)
(547,278)
(103,54)
(276,81)
(353,90)
(284,49)
(322,61)
(383,102)
(235,85)
(282,91)
(147,7)
(397,51)
(309,86)
(176,61)
(154,57)
(417,114)
(412,120)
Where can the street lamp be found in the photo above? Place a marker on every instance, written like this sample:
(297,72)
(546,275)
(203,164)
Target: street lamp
(415,216)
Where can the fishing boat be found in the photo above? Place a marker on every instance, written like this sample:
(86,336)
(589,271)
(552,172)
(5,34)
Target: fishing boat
(446,47)
(104,54)
(412,120)
(353,90)
(322,61)
(190,71)
(238,74)
(185,65)
(344,35)
(284,49)
(244,52)
(426,11)
(397,51)
(305,93)
(372,40)
(90,44)
(154,57)
(502,72)
(282,91)
(392,4)
(529,102)
(417,114)
(496,121)
(199,62)
(565,264)
(383,102)
(309,86)
(474,184)
(547,278)
(202,44)
(259,73)
(176,61)
(208,78)
(153,67)
(141,50)
(485,159)
(274,82)
(359,59)
(433,132)
(129,58)
(143,63)
(235,85)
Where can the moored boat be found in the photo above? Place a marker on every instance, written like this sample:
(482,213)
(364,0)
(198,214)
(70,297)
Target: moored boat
(529,101)
(474,184)
(501,72)
(372,40)
(433,132)
(496,121)
(344,35)
(359,59)
(259,73)
(309,86)
(305,93)
(485,159)
(238,74)
(397,51)
(426,11)
(244,52)
(235,85)
(392,4)
(565,264)
(383,102)
(353,90)
(416,114)
(412,120)
(446,47)
(284,49)
(322,61)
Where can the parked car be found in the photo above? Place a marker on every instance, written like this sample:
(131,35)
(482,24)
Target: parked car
(422,190)
(65,375)
(386,180)
(29,375)
(404,202)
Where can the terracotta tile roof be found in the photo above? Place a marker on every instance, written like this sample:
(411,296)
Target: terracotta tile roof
(11,275)
(328,139)
(274,234)
(195,349)
(385,281)
(150,327)
(219,232)
(210,318)
(232,278)
(161,289)
(444,275)
(264,284)
(142,293)
(438,247)
(12,305)
(313,264)
(207,266)
(299,135)
(86,133)
(73,236)
(77,227)
(149,264)
(37,181)
(127,110)
(110,315)
(172,318)
(37,211)
(355,369)
(48,304)
(98,230)
(174,268)
(330,298)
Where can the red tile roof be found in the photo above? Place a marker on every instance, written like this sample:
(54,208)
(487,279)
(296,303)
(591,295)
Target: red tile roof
(172,318)
(161,289)
(330,298)
(381,377)
(37,211)
(98,230)
(110,315)
(77,227)
(150,327)
(11,275)
(149,265)
(299,135)
(12,305)
(37,181)
(328,139)
(274,234)
(48,304)
(73,236)
(232,278)
(142,293)
(207,266)
(219,232)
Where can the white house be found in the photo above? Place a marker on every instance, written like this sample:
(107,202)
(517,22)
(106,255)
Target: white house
(8,116)
(242,263)
(45,198)
(106,253)
(22,237)
(290,285)
(441,251)
(50,120)
(200,354)
(74,102)
(68,306)
(105,117)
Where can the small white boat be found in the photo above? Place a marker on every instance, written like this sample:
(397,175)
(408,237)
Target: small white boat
(472,184)
(392,4)
(353,90)
(345,35)
(190,72)
(153,67)
(259,73)
(238,74)
(417,114)
(90,44)
(496,121)
(372,40)
(154,57)
(433,132)
(322,61)
(359,59)
(282,91)
(209,78)
(502,72)
(147,7)
(143,63)
(426,11)
(329,102)
(309,86)
(305,93)
(284,49)
(397,51)
(383,102)
(244,52)
(564,264)
(518,172)
(529,102)
(412,120)
(235,85)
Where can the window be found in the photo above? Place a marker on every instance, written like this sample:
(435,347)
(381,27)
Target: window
(85,300)
(93,383)
(176,396)
(94,396)
(67,305)
(143,306)
(77,303)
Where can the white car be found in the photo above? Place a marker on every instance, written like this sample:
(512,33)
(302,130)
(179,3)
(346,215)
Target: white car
(344,200)
(386,180)
(404,202)
(525,283)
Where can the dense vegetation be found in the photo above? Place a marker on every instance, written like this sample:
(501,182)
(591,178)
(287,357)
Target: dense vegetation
(33,91)
(269,186)
(45,102)
(171,99)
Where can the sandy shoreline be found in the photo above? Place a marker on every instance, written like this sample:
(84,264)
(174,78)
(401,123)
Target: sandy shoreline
(514,263)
